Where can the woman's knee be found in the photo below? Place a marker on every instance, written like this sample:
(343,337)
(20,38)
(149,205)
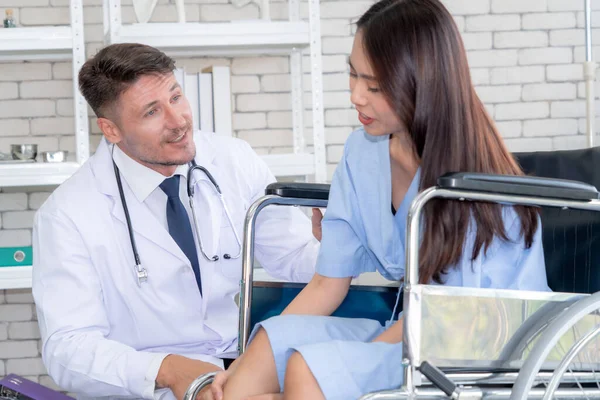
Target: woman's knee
(297,364)
(300,383)
(297,371)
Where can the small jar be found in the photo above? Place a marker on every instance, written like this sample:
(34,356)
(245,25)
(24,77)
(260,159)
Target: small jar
(9,21)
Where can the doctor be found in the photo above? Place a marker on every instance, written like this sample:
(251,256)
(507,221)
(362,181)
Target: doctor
(114,329)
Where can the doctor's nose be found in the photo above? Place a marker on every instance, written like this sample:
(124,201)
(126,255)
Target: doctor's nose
(175,118)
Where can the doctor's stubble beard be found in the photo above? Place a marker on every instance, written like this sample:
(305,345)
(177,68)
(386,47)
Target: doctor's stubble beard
(174,134)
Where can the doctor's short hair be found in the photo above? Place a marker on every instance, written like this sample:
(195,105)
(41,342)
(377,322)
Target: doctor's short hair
(114,68)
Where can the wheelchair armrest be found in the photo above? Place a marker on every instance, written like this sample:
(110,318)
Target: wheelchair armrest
(519,185)
(317,191)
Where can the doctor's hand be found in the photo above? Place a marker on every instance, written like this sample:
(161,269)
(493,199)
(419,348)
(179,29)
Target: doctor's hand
(317,217)
(178,372)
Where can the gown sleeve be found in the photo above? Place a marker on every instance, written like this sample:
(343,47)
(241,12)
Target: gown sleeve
(343,252)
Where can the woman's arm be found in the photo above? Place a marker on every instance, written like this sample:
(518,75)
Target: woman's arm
(321,296)
(393,334)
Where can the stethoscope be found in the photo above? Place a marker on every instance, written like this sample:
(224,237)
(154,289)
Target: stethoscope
(142,272)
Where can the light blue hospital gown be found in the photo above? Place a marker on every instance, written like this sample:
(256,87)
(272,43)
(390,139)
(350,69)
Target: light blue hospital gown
(360,234)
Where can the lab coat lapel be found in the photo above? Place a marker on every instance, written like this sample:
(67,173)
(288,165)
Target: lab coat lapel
(143,222)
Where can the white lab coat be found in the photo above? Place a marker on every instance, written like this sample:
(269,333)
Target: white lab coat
(105,336)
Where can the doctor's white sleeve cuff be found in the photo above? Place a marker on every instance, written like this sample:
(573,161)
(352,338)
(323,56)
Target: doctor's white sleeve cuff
(151,374)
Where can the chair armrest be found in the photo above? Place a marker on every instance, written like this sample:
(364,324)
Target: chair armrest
(317,191)
(519,185)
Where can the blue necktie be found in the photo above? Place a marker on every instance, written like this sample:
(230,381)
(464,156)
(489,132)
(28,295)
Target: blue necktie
(179,224)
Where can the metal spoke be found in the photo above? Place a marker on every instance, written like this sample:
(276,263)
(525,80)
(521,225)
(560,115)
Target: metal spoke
(579,384)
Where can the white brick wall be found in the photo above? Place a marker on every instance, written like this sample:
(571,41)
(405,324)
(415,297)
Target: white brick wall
(524,56)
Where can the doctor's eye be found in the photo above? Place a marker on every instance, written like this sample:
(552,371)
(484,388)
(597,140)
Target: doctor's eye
(151,113)
(176,98)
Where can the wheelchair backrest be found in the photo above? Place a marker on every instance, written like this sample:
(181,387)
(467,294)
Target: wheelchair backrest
(373,302)
(571,238)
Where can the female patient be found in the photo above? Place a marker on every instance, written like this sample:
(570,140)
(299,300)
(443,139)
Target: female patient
(411,86)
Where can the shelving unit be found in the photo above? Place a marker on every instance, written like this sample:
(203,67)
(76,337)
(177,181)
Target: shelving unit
(48,43)
(36,174)
(240,38)
(35,43)
(20,278)
(179,40)
(15,277)
(228,38)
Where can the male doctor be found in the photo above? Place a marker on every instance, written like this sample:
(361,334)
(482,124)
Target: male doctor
(108,332)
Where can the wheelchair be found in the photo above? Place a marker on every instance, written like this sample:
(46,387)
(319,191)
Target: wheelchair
(470,343)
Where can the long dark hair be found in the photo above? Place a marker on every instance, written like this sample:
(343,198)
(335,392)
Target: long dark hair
(419,60)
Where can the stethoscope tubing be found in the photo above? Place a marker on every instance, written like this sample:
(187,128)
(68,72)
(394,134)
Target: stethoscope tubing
(142,273)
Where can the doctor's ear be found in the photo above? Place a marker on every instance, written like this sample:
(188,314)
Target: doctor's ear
(111,131)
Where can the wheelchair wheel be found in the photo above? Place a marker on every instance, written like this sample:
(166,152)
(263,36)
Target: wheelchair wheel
(573,340)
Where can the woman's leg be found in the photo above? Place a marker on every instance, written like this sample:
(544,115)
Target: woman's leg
(272,396)
(342,370)
(261,370)
(255,372)
(300,383)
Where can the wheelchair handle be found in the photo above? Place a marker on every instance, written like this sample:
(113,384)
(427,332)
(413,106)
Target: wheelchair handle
(316,191)
(439,379)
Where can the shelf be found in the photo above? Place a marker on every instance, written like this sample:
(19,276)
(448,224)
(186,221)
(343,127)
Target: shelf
(36,174)
(20,278)
(36,43)
(225,38)
(290,164)
(51,174)
(15,277)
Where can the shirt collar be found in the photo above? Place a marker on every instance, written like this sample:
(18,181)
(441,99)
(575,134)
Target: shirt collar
(141,179)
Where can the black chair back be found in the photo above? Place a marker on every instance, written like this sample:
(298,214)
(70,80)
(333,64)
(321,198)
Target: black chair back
(571,238)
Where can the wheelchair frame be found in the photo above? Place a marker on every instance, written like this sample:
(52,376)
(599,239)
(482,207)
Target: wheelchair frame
(544,316)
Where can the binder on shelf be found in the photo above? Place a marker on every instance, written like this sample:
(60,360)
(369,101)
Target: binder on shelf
(191,90)
(209,96)
(205,98)
(221,94)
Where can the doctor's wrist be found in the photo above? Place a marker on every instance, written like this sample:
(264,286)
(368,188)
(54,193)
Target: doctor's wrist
(163,378)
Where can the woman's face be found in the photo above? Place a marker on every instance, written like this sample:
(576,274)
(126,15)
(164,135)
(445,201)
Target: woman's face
(374,111)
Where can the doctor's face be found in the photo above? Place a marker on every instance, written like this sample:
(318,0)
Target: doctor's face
(374,111)
(154,123)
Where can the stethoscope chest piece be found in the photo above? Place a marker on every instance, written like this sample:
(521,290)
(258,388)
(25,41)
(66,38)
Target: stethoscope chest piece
(217,189)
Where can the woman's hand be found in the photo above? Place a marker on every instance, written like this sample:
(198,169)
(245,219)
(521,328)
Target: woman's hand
(216,388)
(393,334)
(317,217)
